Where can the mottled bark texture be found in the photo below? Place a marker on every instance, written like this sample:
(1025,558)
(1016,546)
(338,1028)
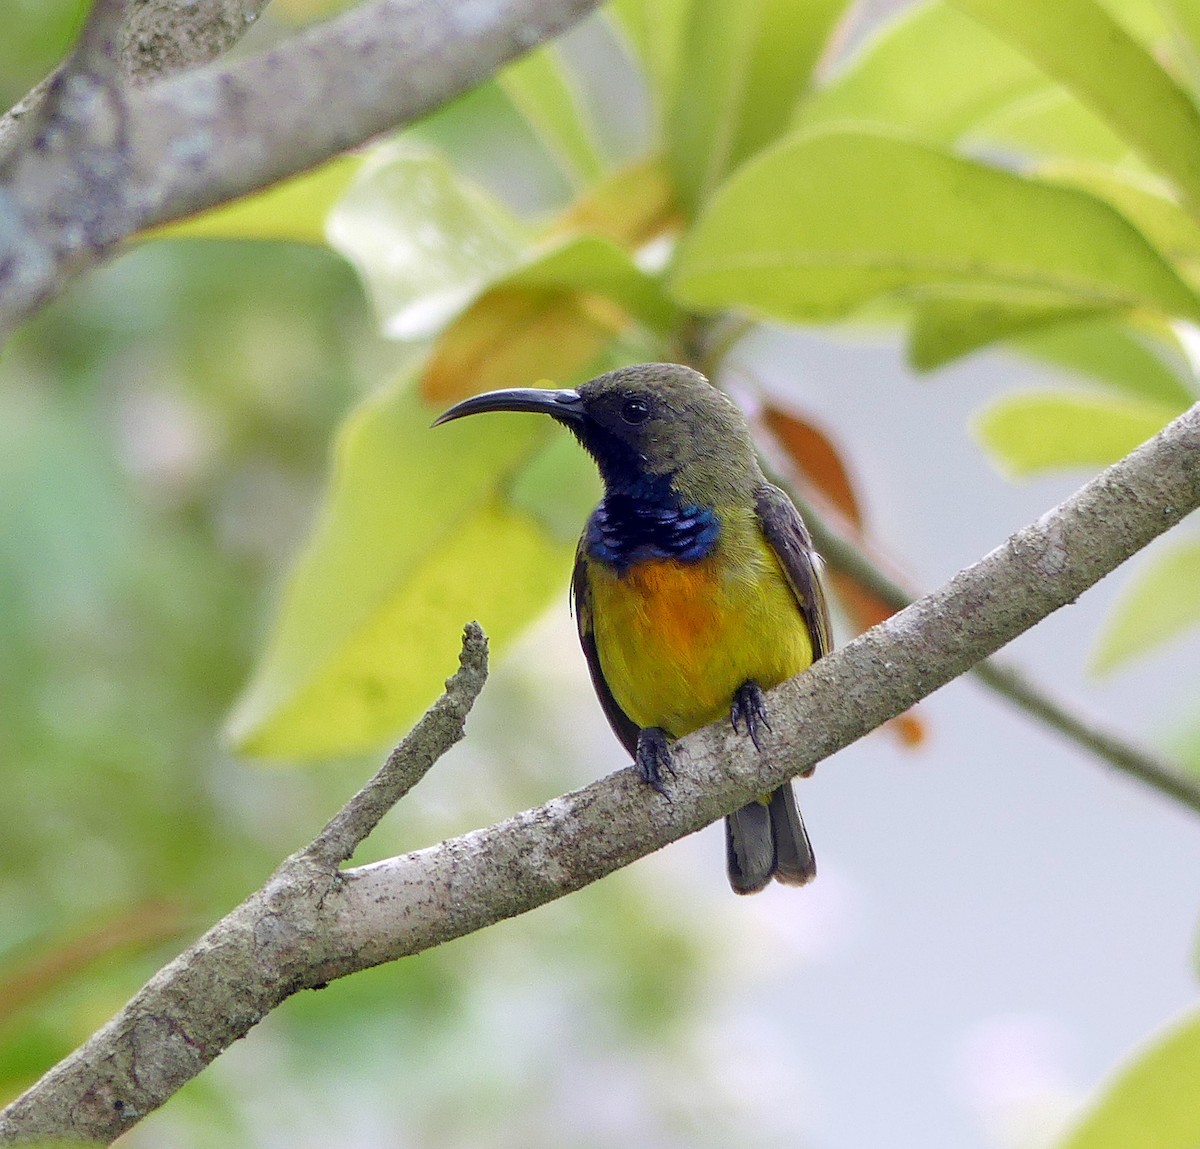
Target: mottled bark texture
(97,159)
(313,923)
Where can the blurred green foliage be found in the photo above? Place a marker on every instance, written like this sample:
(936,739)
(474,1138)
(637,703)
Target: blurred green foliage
(979,172)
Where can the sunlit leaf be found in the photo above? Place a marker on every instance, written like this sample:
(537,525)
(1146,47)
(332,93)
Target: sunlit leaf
(423,239)
(537,84)
(1049,123)
(293,210)
(1101,350)
(1158,604)
(743,68)
(807,231)
(1152,1102)
(415,539)
(1183,19)
(1080,44)
(1036,431)
(931,70)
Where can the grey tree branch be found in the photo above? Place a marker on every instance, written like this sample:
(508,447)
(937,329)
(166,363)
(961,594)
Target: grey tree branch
(213,133)
(159,37)
(410,761)
(311,923)
(1009,681)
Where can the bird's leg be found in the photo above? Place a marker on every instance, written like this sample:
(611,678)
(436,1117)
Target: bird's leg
(749,706)
(653,757)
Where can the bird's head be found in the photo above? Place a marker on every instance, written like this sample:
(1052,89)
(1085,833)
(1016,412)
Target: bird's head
(655,421)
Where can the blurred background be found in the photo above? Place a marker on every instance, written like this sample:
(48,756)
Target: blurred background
(998,921)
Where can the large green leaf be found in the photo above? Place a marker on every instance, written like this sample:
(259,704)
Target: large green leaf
(293,210)
(424,240)
(415,539)
(743,68)
(946,328)
(1160,602)
(1079,43)
(825,222)
(538,86)
(1152,1102)
(1050,124)
(1146,203)
(1036,431)
(1140,364)
(930,70)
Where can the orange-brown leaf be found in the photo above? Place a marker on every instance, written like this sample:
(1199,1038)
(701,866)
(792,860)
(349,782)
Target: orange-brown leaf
(817,459)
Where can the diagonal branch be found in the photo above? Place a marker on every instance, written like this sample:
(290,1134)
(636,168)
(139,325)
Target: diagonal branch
(159,37)
(1010,682)
(311,924)
(214,133)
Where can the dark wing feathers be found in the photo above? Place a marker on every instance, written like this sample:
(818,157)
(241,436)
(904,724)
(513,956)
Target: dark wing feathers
(784,530)
(623,726)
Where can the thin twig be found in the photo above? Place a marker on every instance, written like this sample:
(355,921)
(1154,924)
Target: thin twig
(408,763)
(272,945)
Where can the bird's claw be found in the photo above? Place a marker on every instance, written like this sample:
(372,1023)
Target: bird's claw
(653,758)
(749,706)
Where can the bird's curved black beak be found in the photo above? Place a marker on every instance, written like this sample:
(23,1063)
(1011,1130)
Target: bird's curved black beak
(565,406)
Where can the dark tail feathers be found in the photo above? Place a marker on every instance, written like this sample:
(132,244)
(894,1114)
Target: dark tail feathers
(768,840)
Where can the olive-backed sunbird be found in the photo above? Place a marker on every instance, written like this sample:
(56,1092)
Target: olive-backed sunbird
(695,582)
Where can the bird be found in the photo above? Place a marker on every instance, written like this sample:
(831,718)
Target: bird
(696,585)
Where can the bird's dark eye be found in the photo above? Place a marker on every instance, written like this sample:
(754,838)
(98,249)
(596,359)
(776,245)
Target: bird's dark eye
(635,411)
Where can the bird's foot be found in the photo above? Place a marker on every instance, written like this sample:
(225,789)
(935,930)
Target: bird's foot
(749,706)
(654,757)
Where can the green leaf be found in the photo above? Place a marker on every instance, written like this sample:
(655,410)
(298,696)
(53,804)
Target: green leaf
(1050,124)
(1080,44)
(1183,20)
(1152,1102)
(415,539)
(743,68)
(930,70)
(559,488)
(538,86)
(1140,365)
(424,240)
(825,222)
(588,263)
(945,329)
(293,210)
(654,28)
(1146,203)
(1159,603)
(1037,431)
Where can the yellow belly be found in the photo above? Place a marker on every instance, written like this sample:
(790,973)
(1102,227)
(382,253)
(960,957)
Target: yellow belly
(676,640)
